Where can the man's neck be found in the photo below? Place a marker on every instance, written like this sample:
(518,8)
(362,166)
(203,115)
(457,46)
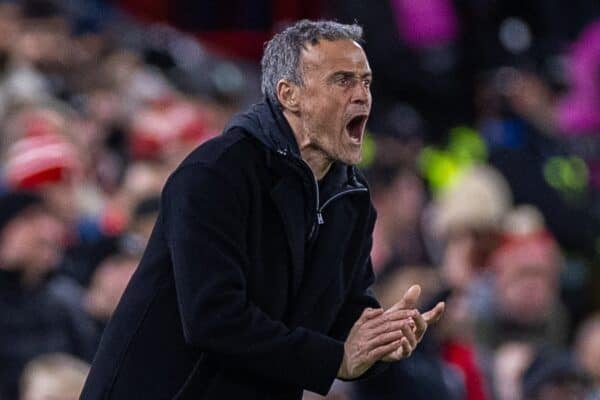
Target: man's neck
(318,161)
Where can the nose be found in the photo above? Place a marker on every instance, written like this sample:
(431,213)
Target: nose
(361,94)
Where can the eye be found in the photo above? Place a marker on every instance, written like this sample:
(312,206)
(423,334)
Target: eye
(345,81)
(367,83)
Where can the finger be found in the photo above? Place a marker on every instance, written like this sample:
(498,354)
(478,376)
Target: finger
(409,335)
(432,316)
(390,326)
(368,314)
(400,314)
(406,348)
(384,339)
(402,351)
(388,317)
(420,326)
(379,352)
(409,300)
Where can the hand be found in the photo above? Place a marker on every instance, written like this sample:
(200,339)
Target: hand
(420,322)
(374,335)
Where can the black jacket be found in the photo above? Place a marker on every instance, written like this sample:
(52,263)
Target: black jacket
(38,320)
(252,278)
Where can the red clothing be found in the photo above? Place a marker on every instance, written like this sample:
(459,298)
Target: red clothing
(463,356)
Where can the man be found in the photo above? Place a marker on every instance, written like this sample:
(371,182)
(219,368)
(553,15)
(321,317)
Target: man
(254,283)
(38,314)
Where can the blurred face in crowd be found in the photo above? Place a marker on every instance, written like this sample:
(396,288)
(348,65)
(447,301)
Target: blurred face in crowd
(587,348)
(334,102)
(10,25)
(61,198)
(527,281)
(45,42)
(107,286)
(31,243)
(408,198)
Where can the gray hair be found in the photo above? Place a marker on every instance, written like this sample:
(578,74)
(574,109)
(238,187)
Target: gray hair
(281,59)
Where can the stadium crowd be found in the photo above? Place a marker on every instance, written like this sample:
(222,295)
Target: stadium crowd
(483,157)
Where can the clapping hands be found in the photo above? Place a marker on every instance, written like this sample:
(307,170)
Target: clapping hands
(386,335)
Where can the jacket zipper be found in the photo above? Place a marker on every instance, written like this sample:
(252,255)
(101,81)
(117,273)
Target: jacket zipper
(319,210)
(320,219)
(319,216)
(339,194)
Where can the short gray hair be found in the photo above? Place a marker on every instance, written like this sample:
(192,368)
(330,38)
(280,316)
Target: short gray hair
(281,59)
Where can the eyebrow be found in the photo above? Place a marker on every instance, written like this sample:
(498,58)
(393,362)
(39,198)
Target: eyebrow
(350,74)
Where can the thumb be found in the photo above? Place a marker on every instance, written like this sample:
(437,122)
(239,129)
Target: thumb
(432,316)
(409,300)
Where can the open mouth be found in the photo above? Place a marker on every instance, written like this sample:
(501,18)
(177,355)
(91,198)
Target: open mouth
(356,127)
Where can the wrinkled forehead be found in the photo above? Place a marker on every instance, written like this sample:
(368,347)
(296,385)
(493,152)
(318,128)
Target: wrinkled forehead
(334,55)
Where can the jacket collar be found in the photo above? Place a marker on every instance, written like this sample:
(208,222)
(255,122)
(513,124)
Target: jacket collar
(265,122)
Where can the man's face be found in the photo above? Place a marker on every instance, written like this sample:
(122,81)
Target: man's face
(32,241)
(527,281)
(335,100)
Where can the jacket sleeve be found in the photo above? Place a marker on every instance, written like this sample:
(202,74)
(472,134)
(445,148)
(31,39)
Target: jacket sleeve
(359,298)
(205,223)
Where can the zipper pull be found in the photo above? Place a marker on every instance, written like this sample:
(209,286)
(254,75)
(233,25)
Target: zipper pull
(320,219)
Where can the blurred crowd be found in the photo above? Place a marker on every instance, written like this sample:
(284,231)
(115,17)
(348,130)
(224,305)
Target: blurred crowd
(483,157)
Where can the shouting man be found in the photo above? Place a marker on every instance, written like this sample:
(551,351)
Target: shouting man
(255,282)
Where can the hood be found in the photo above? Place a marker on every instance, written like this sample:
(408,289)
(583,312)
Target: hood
(266,122)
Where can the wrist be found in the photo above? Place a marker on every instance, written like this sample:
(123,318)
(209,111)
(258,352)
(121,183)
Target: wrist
(343,369)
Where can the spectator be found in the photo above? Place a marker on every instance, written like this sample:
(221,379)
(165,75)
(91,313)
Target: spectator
(129,241)
(397,237)
(510,361)
(53,376)
(107,285)
(524,292)
(587,351)
(553,375)
(35,317)
(48,164)
(466,219)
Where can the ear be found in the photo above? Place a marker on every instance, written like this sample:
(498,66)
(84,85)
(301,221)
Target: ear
(288,94)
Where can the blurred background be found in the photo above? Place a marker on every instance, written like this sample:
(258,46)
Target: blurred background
(483,155)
